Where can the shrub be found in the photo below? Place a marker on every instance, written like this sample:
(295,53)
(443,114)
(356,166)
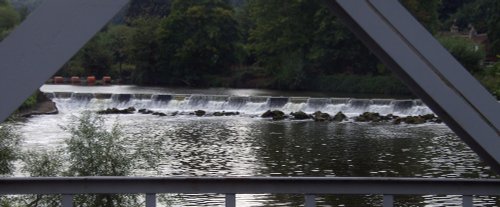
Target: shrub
(468,53)
(94,151)
(9,146)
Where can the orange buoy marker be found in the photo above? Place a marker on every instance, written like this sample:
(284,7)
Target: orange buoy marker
(75,80)
(91,80)
(106,80)
(58,80)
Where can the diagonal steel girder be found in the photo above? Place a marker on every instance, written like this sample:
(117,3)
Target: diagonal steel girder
(58,28)
(428,69)
(44,42)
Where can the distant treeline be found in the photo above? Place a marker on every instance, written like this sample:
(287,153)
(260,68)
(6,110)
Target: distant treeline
(283,44)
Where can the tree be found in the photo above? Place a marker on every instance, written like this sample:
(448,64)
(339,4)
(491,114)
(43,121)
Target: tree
(94,151)
(150,8)
(144,51)
(96,57)
(118,40)
(9,147)
(468,53)
(297,39)
(477,13)
(196,39)
(426,12)
(494,28)
(9,18)
(450,7)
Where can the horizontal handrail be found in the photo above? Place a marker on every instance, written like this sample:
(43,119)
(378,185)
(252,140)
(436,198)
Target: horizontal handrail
(249,185)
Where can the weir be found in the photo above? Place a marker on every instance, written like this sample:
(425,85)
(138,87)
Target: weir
(250,105)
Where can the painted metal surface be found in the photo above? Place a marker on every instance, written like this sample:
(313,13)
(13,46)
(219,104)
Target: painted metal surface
(44,42)
(250,185)
(414,55)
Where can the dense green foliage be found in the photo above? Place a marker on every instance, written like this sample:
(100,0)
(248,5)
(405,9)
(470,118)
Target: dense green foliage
(477,13)
(95,151)
(490,78)
(151,8)
(494,28)
(145,51)
(260,43)
(9,149)
(30,102)
(466,51)
(425,11)
(197,38)
(295,40)
(9,18)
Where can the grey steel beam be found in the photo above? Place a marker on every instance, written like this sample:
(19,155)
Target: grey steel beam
(428,69)
(44,42)
(250,185)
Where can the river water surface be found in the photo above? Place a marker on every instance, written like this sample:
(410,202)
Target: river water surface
(247,145)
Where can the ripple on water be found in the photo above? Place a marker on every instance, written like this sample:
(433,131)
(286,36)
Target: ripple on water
(242,146)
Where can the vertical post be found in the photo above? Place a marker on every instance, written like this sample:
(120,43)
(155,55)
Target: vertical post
(388,201)
(467,201)
(310,201)
(67,200)
(150,200)
(230,200)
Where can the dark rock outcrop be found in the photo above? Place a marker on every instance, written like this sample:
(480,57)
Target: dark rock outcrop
(275,115)
(417,119)
(43,106)
(339,117)
(200,113)
(300,115)
(129,110)
(319,116)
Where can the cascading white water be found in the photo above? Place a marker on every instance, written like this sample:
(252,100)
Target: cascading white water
(245,105)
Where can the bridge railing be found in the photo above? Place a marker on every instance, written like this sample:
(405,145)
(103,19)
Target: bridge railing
(307,186)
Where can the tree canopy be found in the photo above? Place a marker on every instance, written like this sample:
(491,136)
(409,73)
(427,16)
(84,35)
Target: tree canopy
(197,38)
(9,18)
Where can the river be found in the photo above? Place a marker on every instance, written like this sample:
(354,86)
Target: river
(247,145)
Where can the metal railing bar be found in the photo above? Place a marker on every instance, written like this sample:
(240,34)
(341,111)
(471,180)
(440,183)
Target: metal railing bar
(250,185)
(467,201)
(388,201)
(230,200)
(310,201)
(150,200)
(67,200)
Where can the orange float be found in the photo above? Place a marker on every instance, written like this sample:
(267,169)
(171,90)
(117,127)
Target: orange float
(91,80)
(75,80)
(106,80)
(58,80)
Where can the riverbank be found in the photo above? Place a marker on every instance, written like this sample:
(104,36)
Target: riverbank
(36,104)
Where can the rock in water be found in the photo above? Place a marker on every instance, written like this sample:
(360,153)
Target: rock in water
(339,117)
(275,115)
(369,117)
(414,120)
(200,113)
(300,115)
(319,116)
(117,111)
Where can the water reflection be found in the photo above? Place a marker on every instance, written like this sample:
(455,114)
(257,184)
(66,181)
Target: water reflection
(242,146)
